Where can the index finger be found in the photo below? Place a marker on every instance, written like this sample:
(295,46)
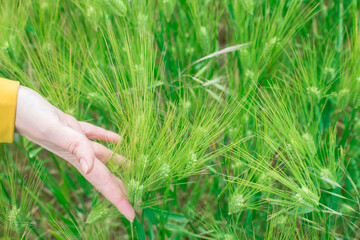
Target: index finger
(97,133)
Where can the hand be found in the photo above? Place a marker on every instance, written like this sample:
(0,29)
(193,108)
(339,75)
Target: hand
(42,123)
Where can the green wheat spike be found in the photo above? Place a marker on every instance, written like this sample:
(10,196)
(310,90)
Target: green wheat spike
(309,143)
(98,212)
(265,179)
(328,71)
(292,150)
(17,220)
(236,203)
(270,46)
(192,160)
(204,38)
(314,94)
(116,6)
(92,16)
(328,179)
(135,191)
(163,175)
(307,198)
(248,6)
(343,98)
(245,56)
(225,236)
(281,220)
(168,8)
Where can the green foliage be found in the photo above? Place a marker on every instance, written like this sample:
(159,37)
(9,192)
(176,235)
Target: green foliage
(239,118)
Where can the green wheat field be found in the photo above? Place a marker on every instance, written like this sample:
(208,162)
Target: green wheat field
(240,118)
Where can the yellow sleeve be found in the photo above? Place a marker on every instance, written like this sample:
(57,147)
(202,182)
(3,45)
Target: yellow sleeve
(8,98)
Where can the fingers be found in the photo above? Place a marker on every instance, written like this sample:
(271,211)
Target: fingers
(78,145)
(98,133)
(111,188)
(122,187)
(104,154)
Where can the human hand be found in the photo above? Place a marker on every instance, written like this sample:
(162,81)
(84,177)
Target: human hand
(42,123)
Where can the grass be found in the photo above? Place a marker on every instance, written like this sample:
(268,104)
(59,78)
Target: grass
(239,119)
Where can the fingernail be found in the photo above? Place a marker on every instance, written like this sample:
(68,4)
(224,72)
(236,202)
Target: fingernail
(129,213)
(84,166)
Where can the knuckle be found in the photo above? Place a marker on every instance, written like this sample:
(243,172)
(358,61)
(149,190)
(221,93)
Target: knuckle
(72,147)
(121,200)
(72,121)
(101,156)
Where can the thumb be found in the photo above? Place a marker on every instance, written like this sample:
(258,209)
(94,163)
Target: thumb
(80,147)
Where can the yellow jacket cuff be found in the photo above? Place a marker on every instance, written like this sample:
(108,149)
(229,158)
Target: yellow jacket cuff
(8,99)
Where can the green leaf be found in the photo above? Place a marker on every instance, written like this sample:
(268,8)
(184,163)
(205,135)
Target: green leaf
(139,229)
(34,152)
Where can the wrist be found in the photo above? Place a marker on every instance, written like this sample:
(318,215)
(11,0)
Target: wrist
(34,115)
(18,115)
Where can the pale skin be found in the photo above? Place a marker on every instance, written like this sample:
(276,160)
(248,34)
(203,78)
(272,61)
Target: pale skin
(42,123)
